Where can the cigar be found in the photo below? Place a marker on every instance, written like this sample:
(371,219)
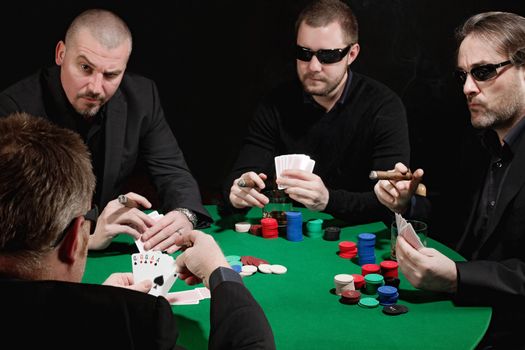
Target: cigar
(246,182)
(127,202)
(389,175)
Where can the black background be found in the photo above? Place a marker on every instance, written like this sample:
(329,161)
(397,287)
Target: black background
(212,61)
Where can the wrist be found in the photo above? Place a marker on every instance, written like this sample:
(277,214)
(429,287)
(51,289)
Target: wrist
(190,215)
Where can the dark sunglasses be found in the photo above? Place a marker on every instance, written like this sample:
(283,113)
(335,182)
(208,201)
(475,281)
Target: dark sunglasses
(325,56)
(91,215)
(480,73)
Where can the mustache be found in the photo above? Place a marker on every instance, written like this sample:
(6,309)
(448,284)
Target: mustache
(92,95)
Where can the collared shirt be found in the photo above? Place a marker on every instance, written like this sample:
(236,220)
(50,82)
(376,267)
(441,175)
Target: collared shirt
(501,157)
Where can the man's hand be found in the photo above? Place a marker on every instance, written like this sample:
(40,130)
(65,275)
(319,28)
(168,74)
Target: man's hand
(249,194)
(426,268)
(396,195)
(200,259)
(117,218)
(306,188)
(125,280)
(162,235)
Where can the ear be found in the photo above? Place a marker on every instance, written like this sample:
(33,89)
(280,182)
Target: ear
(72,243)
(60,52)
(352,55)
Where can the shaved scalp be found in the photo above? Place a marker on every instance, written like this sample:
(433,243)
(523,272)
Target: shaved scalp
(106,27)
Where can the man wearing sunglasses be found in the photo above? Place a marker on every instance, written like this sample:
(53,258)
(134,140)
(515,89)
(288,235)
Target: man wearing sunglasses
(487,190)
(46,186)
(347,123)
(122,121)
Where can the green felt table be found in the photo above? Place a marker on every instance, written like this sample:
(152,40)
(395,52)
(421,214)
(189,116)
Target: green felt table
(300,305)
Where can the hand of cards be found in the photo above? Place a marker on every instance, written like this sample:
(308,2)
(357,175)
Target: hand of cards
(405,230)
(293,161)
(155,266)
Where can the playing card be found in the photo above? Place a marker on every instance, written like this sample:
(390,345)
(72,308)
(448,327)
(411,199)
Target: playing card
(185,297)
(138,242)
(411,236)
(145,266)
(292,161)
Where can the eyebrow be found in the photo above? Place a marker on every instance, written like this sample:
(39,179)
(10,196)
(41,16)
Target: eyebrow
(116,72)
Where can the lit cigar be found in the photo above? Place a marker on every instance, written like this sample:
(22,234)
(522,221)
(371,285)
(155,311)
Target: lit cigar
(246,182)
(389,175)
(127,202)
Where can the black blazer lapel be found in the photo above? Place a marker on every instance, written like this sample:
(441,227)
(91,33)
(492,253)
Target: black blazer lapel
(114,139)
(513,183)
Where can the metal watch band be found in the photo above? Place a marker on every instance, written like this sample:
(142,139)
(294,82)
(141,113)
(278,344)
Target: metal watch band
(189,214)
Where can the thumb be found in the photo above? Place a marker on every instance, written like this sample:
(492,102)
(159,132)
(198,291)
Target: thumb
(142,286)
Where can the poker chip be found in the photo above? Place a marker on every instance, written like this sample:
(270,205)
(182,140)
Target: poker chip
(248,270)
(265,268)
(278,269)
(242,226)
(252,260)
(395,309)
(368,302)
(350,297)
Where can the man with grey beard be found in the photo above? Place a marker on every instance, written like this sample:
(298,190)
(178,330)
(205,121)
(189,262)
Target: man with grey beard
(349,124)
(120,118)
(486,203)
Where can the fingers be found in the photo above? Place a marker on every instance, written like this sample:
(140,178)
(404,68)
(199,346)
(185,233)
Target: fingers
(251,180)
(140,200)
(242,197)
(142,286)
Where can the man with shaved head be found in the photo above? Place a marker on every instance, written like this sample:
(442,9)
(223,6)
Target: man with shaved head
(121,120)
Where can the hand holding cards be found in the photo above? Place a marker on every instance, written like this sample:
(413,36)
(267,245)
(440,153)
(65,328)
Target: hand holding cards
(293,161)
(413,231)
(157,267)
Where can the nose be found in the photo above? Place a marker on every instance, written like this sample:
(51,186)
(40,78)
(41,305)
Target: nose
(314,64)
(470,87)
(95,83)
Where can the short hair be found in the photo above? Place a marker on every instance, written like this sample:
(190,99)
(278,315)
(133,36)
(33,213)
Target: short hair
(320,13)
(504,30)
(106,27)
(46,180)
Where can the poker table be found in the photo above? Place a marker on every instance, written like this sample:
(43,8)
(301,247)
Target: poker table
(301,306)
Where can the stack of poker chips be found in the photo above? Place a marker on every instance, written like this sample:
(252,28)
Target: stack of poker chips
(350,297)
(366,243)
(370,268)
(314,228)
(387,295)
(269,228)
(372,282)
(331,233)
(389,269)
(235,262)
(347,250)
(294,226)
(343,282)
(359,281)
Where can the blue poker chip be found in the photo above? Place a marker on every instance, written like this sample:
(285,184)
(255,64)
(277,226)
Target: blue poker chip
(236,268)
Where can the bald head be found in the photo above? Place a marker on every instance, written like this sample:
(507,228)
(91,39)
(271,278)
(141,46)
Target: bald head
(106,27)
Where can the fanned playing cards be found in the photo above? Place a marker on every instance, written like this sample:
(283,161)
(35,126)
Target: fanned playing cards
(293,161)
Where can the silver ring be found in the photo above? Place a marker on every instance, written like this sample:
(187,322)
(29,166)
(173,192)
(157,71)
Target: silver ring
(241,183)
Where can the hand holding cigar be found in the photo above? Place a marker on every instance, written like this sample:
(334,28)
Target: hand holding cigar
(127,202)
(246,182)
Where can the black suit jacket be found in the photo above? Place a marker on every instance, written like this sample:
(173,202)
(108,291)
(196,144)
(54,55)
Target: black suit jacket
(135,128)
(495,272)
(63,315)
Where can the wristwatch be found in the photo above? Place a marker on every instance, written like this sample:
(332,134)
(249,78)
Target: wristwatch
(189,214)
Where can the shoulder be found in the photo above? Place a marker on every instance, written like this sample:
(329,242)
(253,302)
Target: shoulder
(363,84)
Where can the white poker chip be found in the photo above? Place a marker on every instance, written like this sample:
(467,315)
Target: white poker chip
(242,226)
(245,274)
(278,269)
(265,268)
(249,269)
